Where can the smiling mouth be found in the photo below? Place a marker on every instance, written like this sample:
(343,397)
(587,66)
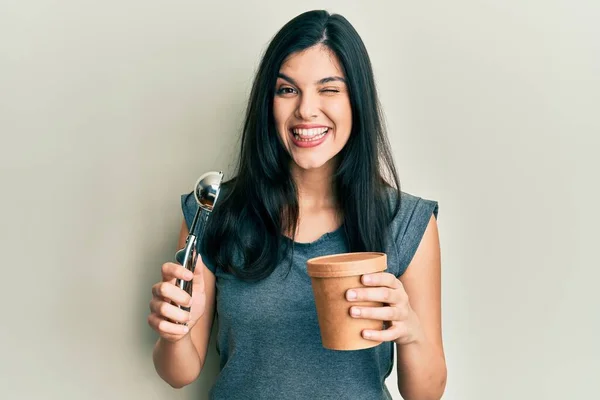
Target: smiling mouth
(309,135)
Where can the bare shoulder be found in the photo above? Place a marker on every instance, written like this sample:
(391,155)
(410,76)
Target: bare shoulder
(427,258)
(422,283)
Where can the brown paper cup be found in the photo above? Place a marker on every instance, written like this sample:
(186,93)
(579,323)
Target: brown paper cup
(331,277)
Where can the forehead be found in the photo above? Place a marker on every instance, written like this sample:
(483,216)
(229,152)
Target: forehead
(312,64)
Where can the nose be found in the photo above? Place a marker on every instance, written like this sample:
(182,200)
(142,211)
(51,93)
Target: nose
(308,107)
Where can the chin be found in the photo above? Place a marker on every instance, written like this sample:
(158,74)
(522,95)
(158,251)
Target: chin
(310,164)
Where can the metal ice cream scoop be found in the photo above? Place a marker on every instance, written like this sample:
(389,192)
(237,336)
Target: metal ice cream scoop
(206,193)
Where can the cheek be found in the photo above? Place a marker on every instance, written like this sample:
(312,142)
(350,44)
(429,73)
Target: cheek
(282,110)
(277,112)
(341,114)
(281,116)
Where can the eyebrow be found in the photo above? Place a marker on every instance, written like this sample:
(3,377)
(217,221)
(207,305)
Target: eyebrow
(319,82)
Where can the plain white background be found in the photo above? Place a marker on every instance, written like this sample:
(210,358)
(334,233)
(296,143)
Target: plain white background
(110,110)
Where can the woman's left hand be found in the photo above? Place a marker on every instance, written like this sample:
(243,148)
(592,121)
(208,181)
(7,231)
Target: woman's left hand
(403,325)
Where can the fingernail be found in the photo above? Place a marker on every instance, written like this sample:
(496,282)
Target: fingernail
(367,334)
(189,275)
(366,279)
(351,294)
(186,329)
(355,311)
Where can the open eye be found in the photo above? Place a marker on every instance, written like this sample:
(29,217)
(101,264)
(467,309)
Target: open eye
(285,90)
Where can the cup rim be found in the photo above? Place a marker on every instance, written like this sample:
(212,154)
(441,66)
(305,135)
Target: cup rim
(334,265)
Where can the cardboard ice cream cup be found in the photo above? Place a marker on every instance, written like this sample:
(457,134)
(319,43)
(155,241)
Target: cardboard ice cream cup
(331,278)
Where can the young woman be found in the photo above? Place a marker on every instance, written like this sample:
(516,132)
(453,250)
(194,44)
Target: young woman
(315,177)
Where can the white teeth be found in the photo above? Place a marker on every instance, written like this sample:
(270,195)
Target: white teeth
(313,138)
(309,133)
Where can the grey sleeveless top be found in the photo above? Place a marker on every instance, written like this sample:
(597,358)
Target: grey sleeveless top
(268,335)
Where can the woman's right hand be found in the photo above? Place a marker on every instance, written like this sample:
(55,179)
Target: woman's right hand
(166,296)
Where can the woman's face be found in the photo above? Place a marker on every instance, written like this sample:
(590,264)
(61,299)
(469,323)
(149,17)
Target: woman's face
(311,107)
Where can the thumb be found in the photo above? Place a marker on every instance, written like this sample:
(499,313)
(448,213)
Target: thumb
(198,280)
(198,294)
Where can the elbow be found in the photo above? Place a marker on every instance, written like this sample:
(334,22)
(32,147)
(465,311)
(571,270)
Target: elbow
(175,383)
(432,394)
(438,391)
(434,390)
(177,376)
(186,381)
(443,380)
(179,384)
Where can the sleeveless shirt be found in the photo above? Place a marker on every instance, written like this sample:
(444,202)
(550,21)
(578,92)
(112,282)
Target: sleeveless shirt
(268,337)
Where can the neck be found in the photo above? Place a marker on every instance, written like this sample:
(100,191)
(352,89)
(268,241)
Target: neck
(315,187)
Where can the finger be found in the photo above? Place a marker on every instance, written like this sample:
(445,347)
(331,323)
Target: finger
(168,291)
(167,310)
(392,333)
(379,294)
(382,279)
(163,326)
(171,271)
(380,313)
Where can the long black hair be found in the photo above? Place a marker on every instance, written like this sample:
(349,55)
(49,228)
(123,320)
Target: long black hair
(245,234)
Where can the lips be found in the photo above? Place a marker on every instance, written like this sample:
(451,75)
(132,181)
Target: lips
(309,136)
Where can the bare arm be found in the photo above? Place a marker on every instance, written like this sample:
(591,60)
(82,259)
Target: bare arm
(421,364)
(180,362)
(177,363)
